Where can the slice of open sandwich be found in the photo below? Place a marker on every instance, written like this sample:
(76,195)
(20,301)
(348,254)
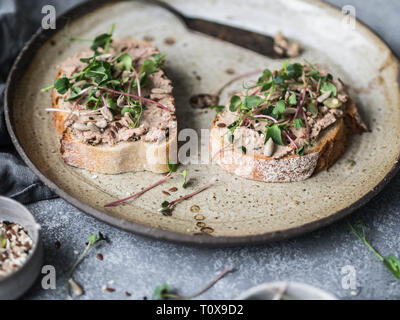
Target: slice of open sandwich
(289,124)
(114,108)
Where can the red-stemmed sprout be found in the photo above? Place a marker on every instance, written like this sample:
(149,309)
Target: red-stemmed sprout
(134,196)
(291,140)
(164,292)
(136,97)
(261,116)
(167,207)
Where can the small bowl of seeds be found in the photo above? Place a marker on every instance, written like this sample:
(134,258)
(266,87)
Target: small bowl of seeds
(21,250)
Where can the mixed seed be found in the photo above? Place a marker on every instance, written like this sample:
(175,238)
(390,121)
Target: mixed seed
(15,247)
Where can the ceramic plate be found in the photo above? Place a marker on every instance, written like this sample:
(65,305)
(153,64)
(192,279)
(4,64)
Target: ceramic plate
(234,210)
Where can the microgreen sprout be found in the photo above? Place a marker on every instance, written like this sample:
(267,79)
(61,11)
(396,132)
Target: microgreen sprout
(92,240)
(284,100)
(107,77)
(164,291)
(172,167)
(167,207)
(391,261)
(137,194)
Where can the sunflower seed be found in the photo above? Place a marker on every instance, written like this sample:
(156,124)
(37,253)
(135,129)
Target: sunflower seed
(101,123)
(269,148)
(80,126)
(324,96)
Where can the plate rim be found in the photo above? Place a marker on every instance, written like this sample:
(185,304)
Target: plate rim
(16,72)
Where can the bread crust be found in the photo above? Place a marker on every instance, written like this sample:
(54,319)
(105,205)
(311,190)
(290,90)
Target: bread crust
(122,157)
(329,147)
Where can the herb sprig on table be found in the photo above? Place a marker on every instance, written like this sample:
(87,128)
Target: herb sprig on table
(172,167)
(391,261)
(167,207)
(106,82)
(164,291)
(93,239)
(284,99)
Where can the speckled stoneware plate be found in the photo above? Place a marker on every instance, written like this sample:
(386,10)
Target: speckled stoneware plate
(235,211)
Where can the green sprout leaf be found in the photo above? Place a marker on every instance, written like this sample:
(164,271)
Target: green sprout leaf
(217,108)
(328,86)
(165,208)
(94,238)
(315,74)
(159,59)
(300,151)
(312,108)
(234,103)
(391,262)
(252,101)
(150,66)
(295,70)
(243,149)
(103,40)
(292,99)
(298,123)
(126,61)
(128,109)
(273,132)
(285,65)
(142,80)
(165,204)
(62,85)
(161,292)
(279,108)
(265,75)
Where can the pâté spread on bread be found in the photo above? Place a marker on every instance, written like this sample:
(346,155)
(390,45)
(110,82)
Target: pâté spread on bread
(109,97)
(299,111)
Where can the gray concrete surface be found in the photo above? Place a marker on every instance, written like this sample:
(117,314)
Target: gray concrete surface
(138,265)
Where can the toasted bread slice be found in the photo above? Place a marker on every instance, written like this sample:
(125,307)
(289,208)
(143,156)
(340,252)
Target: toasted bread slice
(123,156)
(323,154)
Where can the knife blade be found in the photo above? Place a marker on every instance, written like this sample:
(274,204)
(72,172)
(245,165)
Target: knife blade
(257,42)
